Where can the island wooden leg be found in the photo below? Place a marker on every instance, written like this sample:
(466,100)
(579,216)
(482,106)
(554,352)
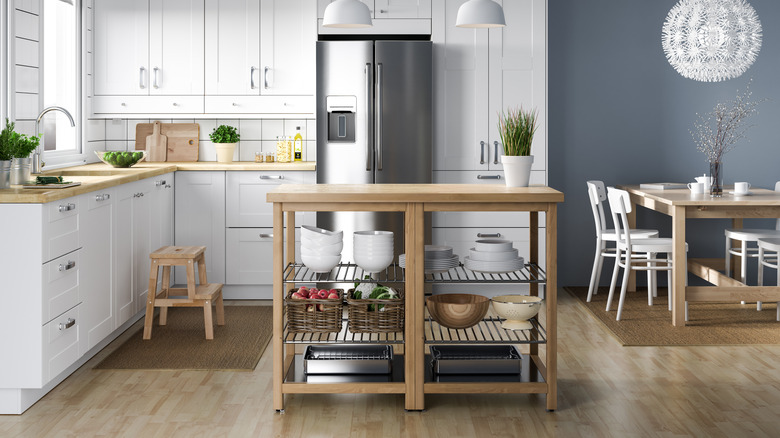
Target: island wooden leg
(680,268)
(551,296)
(278,312)
(414,350)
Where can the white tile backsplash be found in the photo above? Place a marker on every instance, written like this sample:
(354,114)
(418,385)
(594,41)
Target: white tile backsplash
(311,129)
(206,151)
(116,129)
(250,130)
(96,130)
(272,129)
(248,149)
(206,128)
(290,127)
(131,127)
(115,145)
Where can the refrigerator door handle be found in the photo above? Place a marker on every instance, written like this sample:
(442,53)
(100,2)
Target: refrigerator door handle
(369,149)
(378,116)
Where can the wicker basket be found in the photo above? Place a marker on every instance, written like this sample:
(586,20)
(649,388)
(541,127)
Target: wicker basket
(302,320)
(363,320)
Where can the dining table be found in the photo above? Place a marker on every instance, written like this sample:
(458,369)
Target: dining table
(681,205)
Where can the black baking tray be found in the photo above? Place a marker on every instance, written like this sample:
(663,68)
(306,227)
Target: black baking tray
(348,359)
(475,359)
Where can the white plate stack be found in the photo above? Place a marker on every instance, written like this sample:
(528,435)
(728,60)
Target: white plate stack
(437,259)
(373,250)
(494,256)
(320,248)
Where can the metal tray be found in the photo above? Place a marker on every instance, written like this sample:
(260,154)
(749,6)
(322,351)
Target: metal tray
(348,359)
(475,359)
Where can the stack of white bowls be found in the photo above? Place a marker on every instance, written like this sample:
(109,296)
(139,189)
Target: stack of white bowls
(373,250)
(493,256)
(320,248)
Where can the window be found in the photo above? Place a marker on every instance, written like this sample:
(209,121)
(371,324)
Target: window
(61,79)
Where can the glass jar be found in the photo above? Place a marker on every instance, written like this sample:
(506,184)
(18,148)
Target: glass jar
(270,157)
(283,150)
(259,157)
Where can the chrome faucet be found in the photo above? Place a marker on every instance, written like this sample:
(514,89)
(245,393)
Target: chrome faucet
(37,164)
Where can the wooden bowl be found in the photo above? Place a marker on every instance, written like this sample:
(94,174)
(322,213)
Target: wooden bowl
(457,311)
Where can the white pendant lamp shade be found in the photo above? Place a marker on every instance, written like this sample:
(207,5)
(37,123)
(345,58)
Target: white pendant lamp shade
(347,13)
(480,13)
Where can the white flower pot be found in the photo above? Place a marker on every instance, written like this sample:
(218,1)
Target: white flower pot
(225,152)
(517,170)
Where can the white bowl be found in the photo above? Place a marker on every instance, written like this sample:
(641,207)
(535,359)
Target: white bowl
(320,235)
(320,263)
(314,248)
(376,234)
(372,248)
(493,256)
(374,263)
(493,245)
(517,310)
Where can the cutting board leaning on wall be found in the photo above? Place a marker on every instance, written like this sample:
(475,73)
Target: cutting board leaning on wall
(181,140)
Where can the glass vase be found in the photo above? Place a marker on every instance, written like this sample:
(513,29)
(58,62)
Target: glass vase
(716,173)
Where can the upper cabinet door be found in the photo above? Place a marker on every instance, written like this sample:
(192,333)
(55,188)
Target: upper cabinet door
(460,94)
(176,47)
(121,44)
(288,33)
(322,4)
(402,9)
(518,73)
(233,47)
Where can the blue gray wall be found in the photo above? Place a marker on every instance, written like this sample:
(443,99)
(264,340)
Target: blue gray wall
(620,113)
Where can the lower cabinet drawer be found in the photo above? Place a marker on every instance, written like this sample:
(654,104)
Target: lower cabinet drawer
(249,255)
(60,343)
(60,279)
(61,227)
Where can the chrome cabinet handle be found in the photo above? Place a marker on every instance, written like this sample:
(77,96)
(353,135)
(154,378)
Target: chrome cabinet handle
(252,77)
(494,235)
(369,148)
(71,264)
(482,152)
(488,176)
(155,85)
(103,197)
(265,77)
(160,182)
(265,235)
(495,154)
(140,78)
(379,82)
(70,323)
(67,207)
(271,176)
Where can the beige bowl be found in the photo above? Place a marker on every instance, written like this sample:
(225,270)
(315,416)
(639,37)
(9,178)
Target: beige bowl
(517,310)
(457,311)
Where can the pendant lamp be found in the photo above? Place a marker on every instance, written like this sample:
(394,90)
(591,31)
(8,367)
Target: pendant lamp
(347,13)
(480,13)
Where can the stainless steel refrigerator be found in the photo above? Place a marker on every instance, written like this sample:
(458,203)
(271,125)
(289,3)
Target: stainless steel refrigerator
(374,124)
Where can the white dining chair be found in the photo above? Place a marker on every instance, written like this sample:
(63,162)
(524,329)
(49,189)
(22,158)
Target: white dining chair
(744,251)
(638,253)
(768,250)
(597,195)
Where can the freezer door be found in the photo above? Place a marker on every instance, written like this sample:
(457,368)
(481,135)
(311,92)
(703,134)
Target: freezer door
(403,116)
(345,76)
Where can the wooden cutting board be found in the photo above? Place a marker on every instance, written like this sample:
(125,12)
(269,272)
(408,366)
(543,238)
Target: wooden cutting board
(157,144)
(182,139)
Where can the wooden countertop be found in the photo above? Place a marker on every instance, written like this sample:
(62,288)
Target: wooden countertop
(683,197)
(100,176)
(428,193)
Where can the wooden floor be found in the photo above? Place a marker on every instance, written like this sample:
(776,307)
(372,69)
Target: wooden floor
(604,390)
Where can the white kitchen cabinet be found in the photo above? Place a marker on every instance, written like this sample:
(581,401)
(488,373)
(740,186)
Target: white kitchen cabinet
(232,48)
(122,254)
(246,193)
(148,48)
(389,8)
(390,17)
(162,211)
(200,219)
(250,253)
(288,35)
(97,311)
(477,74)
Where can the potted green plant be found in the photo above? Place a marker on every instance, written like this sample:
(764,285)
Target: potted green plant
(224,138)
(516,128)
(6,148)
(16,147)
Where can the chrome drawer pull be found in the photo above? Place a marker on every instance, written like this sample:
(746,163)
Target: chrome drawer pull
(103,197)
(495,153)
(265,235)
(70,323)
(482,152)
(488,176)
(271,176)
(68,207)
(71,264)
(160,182)
(489,235)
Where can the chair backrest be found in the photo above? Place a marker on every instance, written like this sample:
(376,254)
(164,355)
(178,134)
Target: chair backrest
(597,195)
(777,189)
(620,205)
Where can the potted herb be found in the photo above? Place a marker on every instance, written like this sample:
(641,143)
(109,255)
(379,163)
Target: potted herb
(516,128)
(6,147)
(224,138)
(17,147)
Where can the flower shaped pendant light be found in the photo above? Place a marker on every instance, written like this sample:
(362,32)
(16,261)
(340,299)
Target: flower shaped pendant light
(480,13)
(711,40)
(347,13)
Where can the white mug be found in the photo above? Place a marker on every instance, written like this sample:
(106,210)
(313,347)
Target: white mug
(706,180)
(696,188)
(741,188)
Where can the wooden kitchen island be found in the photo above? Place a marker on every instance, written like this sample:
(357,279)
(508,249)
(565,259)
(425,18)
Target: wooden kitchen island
(412,375)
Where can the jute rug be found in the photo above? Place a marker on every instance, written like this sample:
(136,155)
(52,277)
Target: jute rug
(182,344)
(709,324)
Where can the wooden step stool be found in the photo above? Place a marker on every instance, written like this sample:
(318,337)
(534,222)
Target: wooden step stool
(201,295)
